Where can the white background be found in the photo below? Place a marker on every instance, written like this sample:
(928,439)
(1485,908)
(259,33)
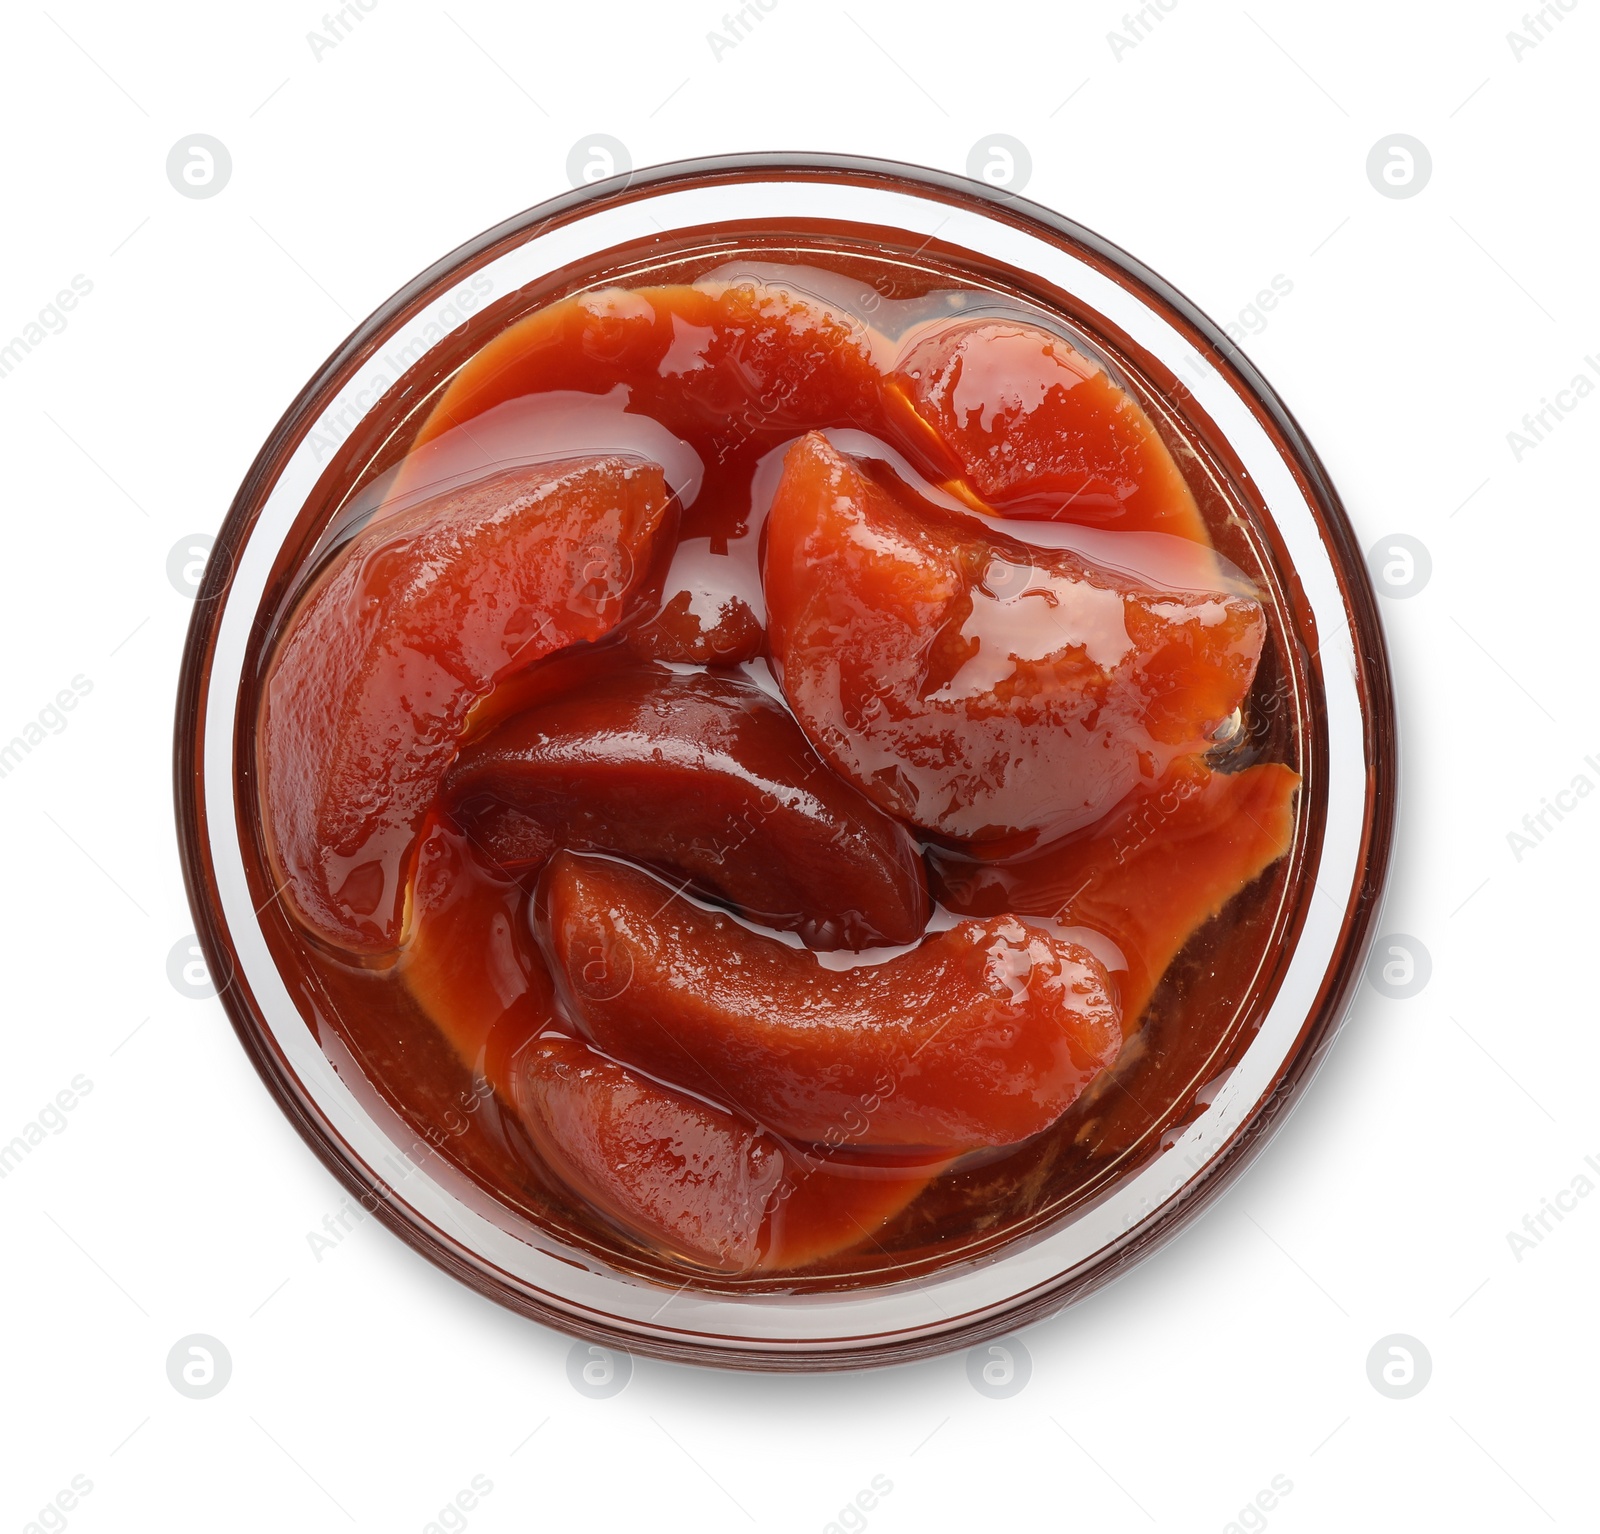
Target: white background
(367,1389)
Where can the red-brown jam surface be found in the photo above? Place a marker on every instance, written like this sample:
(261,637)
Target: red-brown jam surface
(777,770)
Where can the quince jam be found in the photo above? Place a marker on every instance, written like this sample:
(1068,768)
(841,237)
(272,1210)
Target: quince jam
(775,768)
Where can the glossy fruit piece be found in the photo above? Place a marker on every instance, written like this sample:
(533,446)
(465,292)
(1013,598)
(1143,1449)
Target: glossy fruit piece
(737,360)
(1150,875)
(688,1178)
(1026,425)
(976,687)
(671,1171)
(471,966)
(831,1205)
(684,1176)
(469,961)
(706,778)
(981,1035)
(412,622)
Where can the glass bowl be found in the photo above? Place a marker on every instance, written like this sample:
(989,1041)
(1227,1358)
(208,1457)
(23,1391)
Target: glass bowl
(1331,693)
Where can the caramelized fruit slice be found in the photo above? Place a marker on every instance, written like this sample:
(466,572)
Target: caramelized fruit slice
(826,1207)
(975,687)
(732,369)
(683,1175)
(1028,426)
(1155,870)
(414,619)
(981,1035)
(471,966)
(706,778)
(689,1178)
(739,359)
(468,959)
